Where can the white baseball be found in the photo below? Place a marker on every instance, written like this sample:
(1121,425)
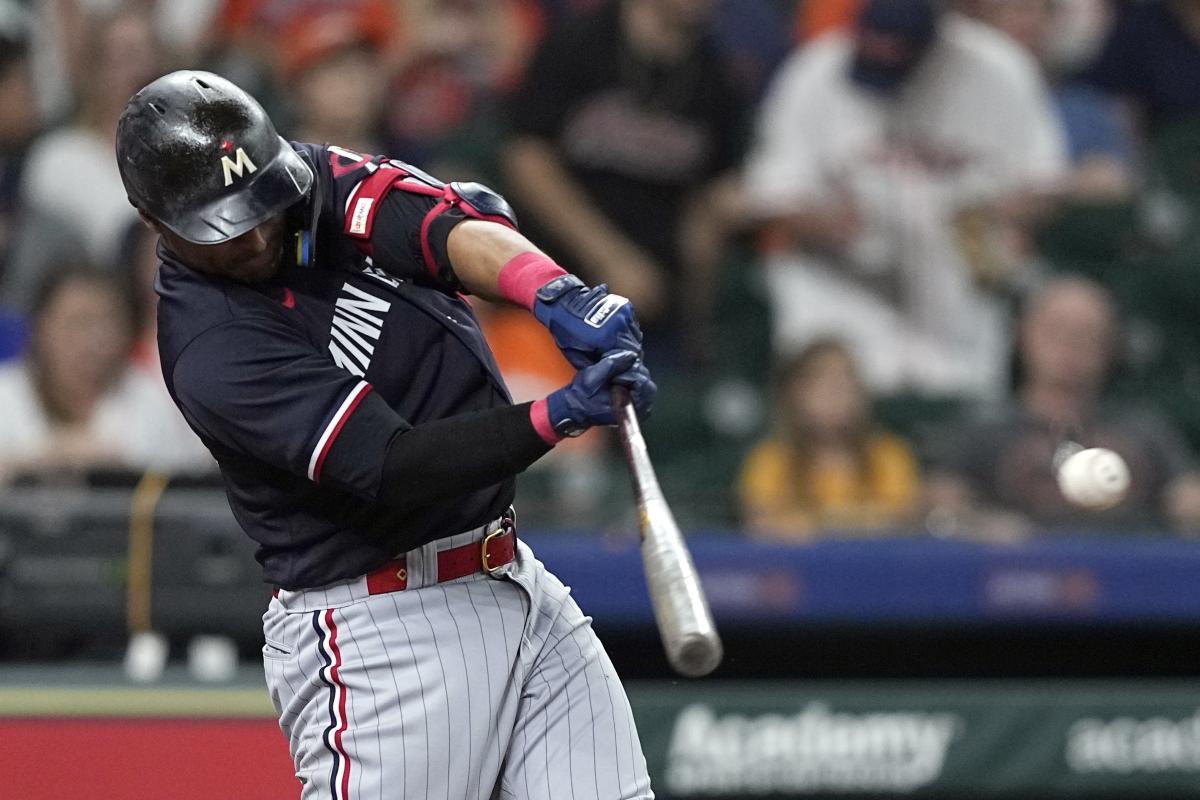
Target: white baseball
(1095,479)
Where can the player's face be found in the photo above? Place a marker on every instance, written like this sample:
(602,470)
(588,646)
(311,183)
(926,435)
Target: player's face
(253,257)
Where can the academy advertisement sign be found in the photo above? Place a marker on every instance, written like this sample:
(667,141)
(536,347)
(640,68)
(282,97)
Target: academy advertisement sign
(1129,745)
(815,749)
(911,739)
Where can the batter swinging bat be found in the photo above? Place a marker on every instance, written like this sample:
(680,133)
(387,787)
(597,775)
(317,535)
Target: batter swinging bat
(680,607)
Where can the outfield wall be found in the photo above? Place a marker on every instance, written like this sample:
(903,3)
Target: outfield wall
(86,733)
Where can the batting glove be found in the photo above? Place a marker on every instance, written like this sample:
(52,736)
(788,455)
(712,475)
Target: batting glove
(587,323)
(587,401)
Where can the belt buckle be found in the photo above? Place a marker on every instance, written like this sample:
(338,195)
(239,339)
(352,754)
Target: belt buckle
(507,525)
(485,556)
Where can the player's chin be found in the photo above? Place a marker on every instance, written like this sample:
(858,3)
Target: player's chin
(260,269)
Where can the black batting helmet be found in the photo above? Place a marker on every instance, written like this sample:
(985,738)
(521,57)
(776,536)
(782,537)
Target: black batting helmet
(200,155)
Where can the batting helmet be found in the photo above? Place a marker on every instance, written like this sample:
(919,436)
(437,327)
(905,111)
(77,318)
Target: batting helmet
(201,156)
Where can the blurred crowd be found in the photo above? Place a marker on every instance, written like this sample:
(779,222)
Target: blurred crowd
(888,254)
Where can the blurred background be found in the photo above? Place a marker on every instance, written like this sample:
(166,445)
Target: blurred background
(888,255)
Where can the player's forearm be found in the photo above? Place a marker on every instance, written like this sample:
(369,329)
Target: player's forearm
(479,252)
(497,263)
(451,457)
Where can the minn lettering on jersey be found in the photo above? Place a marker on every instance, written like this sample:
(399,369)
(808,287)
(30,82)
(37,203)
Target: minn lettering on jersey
(357,322)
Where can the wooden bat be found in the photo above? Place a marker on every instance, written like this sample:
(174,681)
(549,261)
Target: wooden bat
(680,608)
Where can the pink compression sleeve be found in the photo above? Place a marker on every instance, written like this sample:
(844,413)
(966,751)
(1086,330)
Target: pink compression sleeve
(524,274)
(539,415)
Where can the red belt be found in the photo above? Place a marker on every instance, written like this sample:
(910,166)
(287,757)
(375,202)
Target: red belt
(486,555)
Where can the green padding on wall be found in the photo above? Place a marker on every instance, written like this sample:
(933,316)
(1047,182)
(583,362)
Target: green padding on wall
(884,739)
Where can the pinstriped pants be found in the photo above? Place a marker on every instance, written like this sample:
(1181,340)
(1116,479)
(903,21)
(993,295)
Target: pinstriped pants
(482,687)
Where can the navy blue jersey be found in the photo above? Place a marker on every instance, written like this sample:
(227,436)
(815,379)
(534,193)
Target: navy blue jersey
(361,321)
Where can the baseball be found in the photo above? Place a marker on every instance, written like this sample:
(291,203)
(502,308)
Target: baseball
(1095,479)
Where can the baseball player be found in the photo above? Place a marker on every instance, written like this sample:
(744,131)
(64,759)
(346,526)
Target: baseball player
(313,332)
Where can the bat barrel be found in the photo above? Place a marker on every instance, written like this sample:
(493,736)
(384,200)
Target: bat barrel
(680,607)
(698,655)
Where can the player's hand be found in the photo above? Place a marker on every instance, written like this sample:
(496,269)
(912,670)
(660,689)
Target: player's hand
(587,401)
(587,323)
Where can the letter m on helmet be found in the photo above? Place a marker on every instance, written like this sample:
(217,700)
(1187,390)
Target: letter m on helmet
(236,165)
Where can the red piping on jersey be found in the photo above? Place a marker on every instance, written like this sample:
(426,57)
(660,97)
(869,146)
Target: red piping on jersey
(341,422)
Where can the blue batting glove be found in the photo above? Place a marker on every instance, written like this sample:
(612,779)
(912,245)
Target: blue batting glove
(587,323)
(587,401)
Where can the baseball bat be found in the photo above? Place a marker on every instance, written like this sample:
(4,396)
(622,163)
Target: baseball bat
(680,607)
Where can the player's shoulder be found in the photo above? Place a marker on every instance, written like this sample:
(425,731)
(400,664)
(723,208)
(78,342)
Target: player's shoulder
(348,182)
(343,168)
(192,304)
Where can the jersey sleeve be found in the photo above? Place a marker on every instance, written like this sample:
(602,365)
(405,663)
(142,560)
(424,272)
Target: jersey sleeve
(260,389)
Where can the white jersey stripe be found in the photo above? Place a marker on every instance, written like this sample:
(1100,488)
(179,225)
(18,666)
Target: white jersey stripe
(334,425)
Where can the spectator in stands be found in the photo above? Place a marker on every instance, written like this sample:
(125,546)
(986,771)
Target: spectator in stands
(139,261)
(1152,59)
(71,405)
(753,39)
(625,134)
(994,476)
(459,58)
(30,240)
(752,36)
(1099,137)
(71,172)
(19,119)
(62,34)
(899,168)
(829,466)
(332,63)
